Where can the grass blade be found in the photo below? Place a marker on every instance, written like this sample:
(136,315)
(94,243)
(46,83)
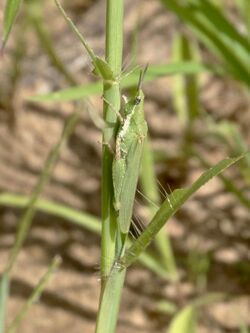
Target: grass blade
(170,206)
(178,86)
(70,94)
(4,292)
(111,295)
(35,295)
(185,321)
(28,215)
(228,45)
(186,89)
(228,184)
(217,19)
(244,6)
(244,328)
(230,133)
(100,66)
(154,72)
(76,217)
(10,13)
(36,17)
(235,42)
(79,218)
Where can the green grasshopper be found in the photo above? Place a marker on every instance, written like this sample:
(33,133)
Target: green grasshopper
(129,139)
(128,152)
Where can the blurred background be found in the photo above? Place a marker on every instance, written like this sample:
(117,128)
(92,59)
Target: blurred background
(194,121)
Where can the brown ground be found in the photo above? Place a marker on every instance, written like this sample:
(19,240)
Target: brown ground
(213,223)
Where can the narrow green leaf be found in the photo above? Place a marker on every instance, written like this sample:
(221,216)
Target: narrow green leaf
(101,67)
(70,94)
(216,18)
(245,12)
(166,307)
(236,43)
(244,328)
(79,218)
(28,215)
(185,321)
(228,184)
(178,86)
(4,293)
(35,295)
(235,56)
(10,13)
(192,86)
(170,206)
(229,133)
(185,89)
(94,89)
(153,264)
(35,16)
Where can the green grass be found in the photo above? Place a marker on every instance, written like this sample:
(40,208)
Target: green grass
(232,50)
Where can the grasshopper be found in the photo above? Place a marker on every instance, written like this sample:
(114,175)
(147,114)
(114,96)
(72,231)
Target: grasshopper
(129,141)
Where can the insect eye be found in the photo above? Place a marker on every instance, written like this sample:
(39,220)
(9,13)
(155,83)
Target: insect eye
(137,100)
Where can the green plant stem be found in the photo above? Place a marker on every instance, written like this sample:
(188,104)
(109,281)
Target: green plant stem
(79,218)
(35,295)
(110,300)
(10,12)
(8,94)
(112,282)
(28,215)
(35,16)
(111,91)
(4,294)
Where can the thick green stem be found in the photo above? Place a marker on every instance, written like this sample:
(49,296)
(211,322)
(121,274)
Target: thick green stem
(112,279)
(4,294)
(110,300)
(114,43)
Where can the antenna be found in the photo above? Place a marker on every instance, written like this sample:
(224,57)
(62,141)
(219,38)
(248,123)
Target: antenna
(142,75)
